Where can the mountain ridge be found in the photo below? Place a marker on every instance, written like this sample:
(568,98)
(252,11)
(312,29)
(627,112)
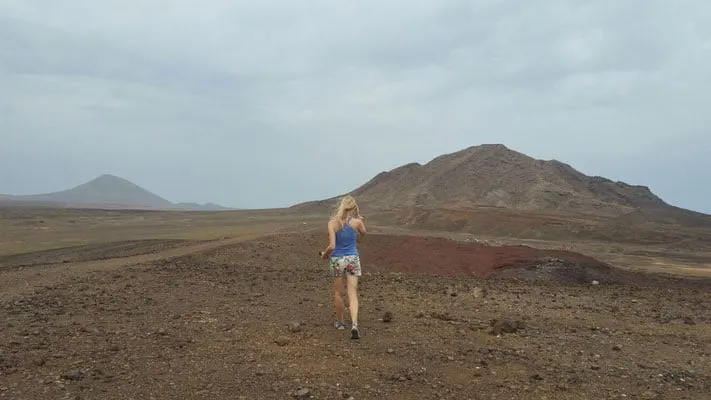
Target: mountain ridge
(109,191)
(496,176)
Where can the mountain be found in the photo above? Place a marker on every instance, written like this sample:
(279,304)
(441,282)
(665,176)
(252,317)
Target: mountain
(106,189)
(109,191)
(201,207)
(496,176)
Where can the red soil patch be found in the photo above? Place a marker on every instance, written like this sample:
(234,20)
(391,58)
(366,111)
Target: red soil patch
(413,254)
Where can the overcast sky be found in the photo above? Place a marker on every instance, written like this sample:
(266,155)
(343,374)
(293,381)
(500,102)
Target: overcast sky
(267,103)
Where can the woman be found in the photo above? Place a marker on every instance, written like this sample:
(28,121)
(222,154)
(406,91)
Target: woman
(344,265)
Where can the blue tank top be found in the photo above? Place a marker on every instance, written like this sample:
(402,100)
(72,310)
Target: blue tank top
(346,240)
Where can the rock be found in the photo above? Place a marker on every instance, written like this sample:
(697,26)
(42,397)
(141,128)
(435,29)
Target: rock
(595,282)
(479,293)
(302,394)
(617,347)
(689,321)
(499,326)
(391,351)
(40,362)
(282,341)
(73,376)
(388,316)
(294,327)
(446,317)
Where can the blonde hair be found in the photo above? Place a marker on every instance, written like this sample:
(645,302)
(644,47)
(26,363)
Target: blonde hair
(346,208)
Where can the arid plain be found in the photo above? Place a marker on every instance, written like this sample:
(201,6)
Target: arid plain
(117,304)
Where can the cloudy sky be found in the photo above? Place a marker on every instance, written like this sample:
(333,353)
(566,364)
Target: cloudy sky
(267,103)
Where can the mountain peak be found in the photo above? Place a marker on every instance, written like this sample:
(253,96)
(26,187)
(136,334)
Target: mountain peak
(107,177)
(489,146)
(493,150)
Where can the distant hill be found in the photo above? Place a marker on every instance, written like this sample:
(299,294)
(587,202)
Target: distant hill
(201,207)
(111,192)
(494,175)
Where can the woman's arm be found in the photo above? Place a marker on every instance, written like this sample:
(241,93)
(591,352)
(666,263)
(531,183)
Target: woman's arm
(360,225)
(331,241)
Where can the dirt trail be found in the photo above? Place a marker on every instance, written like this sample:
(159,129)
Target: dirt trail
(16,281)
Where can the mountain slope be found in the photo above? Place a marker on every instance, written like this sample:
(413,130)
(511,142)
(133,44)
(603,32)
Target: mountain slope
(106,189)
(493,175)
(109,191)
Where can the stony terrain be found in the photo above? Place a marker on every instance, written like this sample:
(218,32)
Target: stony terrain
(89,252)
(252,319)
(495,222)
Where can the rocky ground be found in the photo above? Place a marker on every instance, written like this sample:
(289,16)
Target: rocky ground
(253,320)
(90,252)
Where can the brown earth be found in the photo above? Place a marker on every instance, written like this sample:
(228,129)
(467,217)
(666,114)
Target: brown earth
(89,252)
(412,254)
(560,227)
(218,320)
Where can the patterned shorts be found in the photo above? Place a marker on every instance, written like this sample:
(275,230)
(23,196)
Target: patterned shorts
(345,265)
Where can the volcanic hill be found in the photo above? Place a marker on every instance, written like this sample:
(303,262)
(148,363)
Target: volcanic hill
(495,176)
(107,191)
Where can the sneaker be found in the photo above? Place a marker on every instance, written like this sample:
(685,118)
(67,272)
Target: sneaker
(355,334)
(340,325)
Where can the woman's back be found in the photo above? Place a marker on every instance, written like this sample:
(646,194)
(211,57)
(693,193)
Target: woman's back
(346,241)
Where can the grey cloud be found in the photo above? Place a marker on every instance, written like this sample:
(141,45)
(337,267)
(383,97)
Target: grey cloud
(277,88)
(33,49)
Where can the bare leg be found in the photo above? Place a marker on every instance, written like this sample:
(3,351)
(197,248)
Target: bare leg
(353,298)
(338,298)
